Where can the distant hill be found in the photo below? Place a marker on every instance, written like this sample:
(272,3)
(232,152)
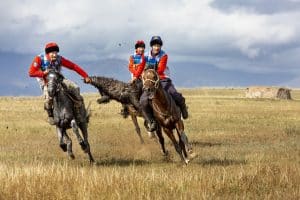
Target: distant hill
(14,80)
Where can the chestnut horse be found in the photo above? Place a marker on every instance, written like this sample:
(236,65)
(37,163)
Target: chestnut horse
(167,114)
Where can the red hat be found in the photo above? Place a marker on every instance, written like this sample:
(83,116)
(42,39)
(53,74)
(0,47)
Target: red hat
(140,43)
(52,46)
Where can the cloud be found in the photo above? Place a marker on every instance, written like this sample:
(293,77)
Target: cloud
(254,36)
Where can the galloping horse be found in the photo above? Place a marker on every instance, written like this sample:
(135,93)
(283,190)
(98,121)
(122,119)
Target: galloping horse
(166,113)
(64,118)
(121,92)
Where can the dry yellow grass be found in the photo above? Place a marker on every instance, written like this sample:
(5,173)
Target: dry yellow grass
(247,149)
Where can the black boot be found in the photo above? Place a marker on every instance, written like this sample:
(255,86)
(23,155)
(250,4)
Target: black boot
(184,111)
(152,125)
(103,99)
(150,122)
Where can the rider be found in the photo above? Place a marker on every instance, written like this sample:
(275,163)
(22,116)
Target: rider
(137,62)
(136,67)
(157,59)
(40,67)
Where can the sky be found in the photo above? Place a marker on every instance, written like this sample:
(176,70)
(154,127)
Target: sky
(215,43)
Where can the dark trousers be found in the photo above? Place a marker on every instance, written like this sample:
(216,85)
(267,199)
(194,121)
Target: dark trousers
(169,87)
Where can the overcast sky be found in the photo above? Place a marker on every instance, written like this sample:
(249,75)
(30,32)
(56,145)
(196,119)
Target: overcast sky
(249,36)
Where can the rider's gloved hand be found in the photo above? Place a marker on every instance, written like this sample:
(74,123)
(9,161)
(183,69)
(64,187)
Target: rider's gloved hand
(46,72)
(87,80)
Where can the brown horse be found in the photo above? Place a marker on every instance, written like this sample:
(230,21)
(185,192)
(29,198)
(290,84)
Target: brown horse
(167,114)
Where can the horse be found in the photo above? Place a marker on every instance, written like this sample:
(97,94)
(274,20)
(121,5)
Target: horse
(167,114)
(123,93)
(64,117)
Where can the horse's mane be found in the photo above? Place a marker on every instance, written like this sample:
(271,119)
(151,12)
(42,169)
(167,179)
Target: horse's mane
(115,89)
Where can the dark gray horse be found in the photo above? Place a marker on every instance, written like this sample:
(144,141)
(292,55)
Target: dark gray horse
(125,93)
(64,118)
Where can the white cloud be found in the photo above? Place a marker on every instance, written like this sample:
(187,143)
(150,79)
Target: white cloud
(191,29)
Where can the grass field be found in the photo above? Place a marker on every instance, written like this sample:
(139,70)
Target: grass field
(246,149)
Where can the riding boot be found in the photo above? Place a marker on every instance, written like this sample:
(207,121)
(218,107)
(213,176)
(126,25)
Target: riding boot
(184,111)
(124,111)
(151,122)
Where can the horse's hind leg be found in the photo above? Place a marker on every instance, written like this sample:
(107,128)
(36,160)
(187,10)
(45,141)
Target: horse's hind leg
(86,146)
(137,127)
(183,137)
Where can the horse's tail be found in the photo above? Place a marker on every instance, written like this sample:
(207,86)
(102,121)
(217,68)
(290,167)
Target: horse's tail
(88,112)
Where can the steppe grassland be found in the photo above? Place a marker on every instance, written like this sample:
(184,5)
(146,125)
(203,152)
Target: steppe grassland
(247,148)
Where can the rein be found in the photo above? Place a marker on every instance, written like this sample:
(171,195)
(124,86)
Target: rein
(62,86)
(156,82)
(169,109)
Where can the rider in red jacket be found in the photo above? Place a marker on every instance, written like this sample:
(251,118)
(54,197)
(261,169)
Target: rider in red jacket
(52,60)
(157,60)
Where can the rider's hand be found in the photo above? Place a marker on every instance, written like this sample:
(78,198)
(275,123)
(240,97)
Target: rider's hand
(133,80)
(46,72)
(87,80)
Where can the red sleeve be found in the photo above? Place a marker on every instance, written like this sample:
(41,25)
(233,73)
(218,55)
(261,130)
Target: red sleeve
(70,65)
(162,65)
(131,65)
(35,68)
(140,67)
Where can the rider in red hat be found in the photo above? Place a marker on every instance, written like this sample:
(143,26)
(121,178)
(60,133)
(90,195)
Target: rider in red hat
(40,67)
(137,61)
(136,67)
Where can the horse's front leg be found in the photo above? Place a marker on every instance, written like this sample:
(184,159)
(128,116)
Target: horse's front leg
(177,146)
(76,132)
(61,142)
(161,141)
(86,146)
(69,144)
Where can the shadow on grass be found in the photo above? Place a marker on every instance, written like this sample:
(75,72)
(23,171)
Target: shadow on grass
(121,162)
(220,162)
(205,144)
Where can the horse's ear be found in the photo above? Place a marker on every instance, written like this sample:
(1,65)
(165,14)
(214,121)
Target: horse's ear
(61,77)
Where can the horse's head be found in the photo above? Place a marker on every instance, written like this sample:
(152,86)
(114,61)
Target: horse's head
(150,82)
(54,79)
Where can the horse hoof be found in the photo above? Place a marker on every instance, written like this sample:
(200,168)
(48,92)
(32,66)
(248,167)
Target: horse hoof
(63,147)
(92,162)
(186,161)
(166,153)
(192,155)
(151,135)
(71,156)
(83,145)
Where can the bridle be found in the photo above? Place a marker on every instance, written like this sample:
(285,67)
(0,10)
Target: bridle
(55,81)
(155,82)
